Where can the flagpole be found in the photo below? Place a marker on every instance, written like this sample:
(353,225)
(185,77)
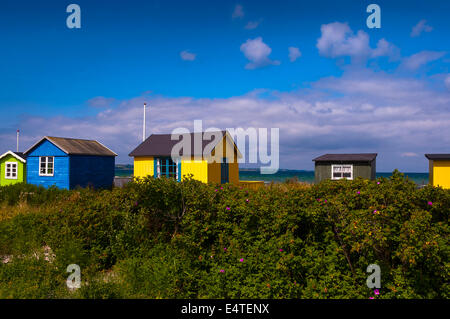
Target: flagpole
(143,127)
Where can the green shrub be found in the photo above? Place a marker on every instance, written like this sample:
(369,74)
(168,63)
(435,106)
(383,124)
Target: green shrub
(165,239)
(29,277)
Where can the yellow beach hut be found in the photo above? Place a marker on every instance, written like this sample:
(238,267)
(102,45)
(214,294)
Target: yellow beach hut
(439,169)
(209,157)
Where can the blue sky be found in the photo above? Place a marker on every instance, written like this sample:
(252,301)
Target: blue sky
(344,88)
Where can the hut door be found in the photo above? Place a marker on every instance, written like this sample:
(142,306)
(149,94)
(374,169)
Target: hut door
(224,171)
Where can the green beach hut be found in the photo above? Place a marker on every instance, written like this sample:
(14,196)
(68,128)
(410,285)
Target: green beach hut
(12,168)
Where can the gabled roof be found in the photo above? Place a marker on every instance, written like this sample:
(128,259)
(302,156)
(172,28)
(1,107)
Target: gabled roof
(438,156)
(18,155)
(162,144)
(74,146)
(361,157)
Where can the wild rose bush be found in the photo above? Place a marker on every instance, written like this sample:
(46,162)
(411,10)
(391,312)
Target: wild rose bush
(157,238)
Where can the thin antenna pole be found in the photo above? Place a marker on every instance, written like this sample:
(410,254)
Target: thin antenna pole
(17,147)
(143,127)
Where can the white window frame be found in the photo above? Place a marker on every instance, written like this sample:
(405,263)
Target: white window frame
(158,168)
(46,166)
(6,170)
(341,165)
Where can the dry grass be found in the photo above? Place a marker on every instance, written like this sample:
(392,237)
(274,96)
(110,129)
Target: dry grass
(289,186)
(8,212)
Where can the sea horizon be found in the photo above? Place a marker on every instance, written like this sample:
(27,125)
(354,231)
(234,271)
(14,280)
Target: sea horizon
(306,176)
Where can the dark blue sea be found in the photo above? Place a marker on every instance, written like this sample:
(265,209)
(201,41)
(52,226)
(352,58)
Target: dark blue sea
(308,176)
(283,175)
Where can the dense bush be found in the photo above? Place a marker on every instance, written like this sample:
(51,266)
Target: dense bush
(157,238)
(32,194)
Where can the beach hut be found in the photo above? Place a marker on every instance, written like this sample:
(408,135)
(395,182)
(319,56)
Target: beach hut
(348,166)
(12,168)
(68,163)
(439,169)
(203,158)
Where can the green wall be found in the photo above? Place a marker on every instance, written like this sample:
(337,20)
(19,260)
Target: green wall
(360,169)
(21,174)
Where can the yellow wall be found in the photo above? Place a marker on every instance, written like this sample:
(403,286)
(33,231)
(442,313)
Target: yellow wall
(228,151)
(441,174)
(234,173)
(196,167)
(143,166)
(214,173)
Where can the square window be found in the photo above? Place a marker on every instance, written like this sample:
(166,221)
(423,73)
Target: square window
(11,170)
(342,171)
(46,166)
(166,167)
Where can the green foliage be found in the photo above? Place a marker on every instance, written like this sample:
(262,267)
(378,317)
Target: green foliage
(32,194)
(157,238)
(30,277)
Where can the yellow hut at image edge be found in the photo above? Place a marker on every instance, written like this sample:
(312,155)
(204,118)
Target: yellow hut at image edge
(439,169)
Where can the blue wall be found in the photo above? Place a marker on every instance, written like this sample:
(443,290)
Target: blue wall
(61,166)
(70,171)
(96,171)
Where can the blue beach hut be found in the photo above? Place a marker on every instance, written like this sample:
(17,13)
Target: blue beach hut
(68,163)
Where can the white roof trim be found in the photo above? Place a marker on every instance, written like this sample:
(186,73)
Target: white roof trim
(230,139)
(13,154)
(106,148)
(48,139)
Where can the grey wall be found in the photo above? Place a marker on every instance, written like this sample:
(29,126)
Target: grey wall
(365,170)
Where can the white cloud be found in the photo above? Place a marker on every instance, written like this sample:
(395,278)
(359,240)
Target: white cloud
(252,25)
(447,81)
(101,101)
(187,56)
(384,48)
(238,12)
(294,53)
(257,52)
(419,59)
(420,27)
(409,154)
(337,39)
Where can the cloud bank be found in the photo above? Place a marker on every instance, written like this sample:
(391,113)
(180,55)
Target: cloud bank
(358,112)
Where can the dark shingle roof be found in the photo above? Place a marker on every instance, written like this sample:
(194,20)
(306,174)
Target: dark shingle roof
(438,156)
(362,157)
(162,144)
(21,155)
(74,146)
